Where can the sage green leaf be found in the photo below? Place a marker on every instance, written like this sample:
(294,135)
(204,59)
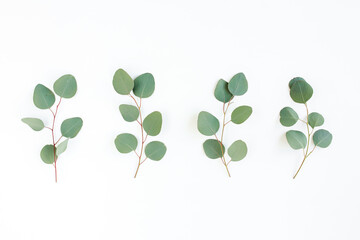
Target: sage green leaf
(129,112)
(322,138)
(222,92)
(292,81)
(207,124)
(288,117)
(43,97)
(35,123)
(47,154)
(315,119)
(144,85)
(71,127)
(65,86)
(122,82)
(237,151)
(241,114)
(238,85)
(62,147)
(152,123)
(213,149)
(125,142)
(155,150)
(296,139)
(301,91)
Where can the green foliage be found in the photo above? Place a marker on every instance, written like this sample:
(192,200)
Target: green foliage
(296,139)
(122,82)
(65,86)
(155,150)
(144,85)
(129,112)
(47,154)
(315,119)
(288,117)
(213,149)
(43,97)
(238,85)
(62,147)
(322,138)
(300,91)
(207,124)
(71,127)
(152,123)
(237,151)
(222,92)
(35,123)
(126,142)
(241,114)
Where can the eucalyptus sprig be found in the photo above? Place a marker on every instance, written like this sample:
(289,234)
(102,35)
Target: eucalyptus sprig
(301,92)
(142,87)
(44,98)
(209,125)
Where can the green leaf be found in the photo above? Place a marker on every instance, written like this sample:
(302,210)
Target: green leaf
(144,85)
(126,142)
(129,112)
(152,123)
(62,147)
(43,97)
(35,123)
(292,81)
(241,114)
(213,149)
(71,127)
(288,116)
(222,92)
(296,139)
(65,86)
(300,91)
(237,151)
(207,124)
(47,154)
(322,138)
(238,85)
(155,150)
(315,119)
(122,82)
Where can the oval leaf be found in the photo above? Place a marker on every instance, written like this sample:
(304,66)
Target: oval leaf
(238,85)
(62,147)
(237,151)
(122,82)
(241,114)
(288,116)
(222,92)
(296,139)
(301,91)
(315,119)
(155,150)
(207,124)
(43,97)
(129,112)
(213,149)
(292,81)
(144,85)
(125,142)
(152,123)
(71,127)
(47,154)
(322,138)
(65,86)
(35,123)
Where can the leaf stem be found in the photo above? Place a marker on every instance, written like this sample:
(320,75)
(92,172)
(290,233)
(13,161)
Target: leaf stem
(225,109)
(53,136)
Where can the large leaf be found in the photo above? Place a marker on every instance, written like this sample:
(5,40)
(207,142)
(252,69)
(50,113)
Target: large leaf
(300,91)
(213,149)
(125,142)
(65,86)
(43,97)
(315,119)
(62,147)
(129,112)
(47,154)
(155,150)
(288,116)
(207,124)
(322,138)
(296,139)
(238,85)
(71,127)
(152,123)
(237,151)
(35,123)
(122,82)
(144,85)
(222,92)
(292,81)
(241,114)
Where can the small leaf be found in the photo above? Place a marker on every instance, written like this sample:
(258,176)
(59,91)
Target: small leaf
(288,116)
(152,123)
(35,123)
(296,139)
(292,81)
(125,142)
(238,85)
(129,112)
(207,124)
(47,154)
(241,114)
(300,91)
(222,92)
(71,127)
(213,149)
(43,97)
(315,119)
(144,85)
(62,147)
(322,138)
(122,82)
(155,150)
(237,151)
(65,86)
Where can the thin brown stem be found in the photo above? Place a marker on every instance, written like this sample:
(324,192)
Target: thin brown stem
(53,136)
(222,135)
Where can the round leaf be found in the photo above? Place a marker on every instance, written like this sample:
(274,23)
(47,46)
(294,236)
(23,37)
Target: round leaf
(144,85)
(296,139)
(43,97)
(62,147)
(129,112)
(237,151)
(71,127)
(155,150)
(238,85)
(207,124)
(122,82)
(315,119)
(301,91)
(288,116)
(322,138)
(292,81)
(47,154)
(35,123)
(241,114)
(213,149)
(125,142)
(65,86)
(152,123)
(222,92)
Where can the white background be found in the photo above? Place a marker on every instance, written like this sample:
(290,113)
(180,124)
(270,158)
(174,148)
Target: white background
(187,46)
